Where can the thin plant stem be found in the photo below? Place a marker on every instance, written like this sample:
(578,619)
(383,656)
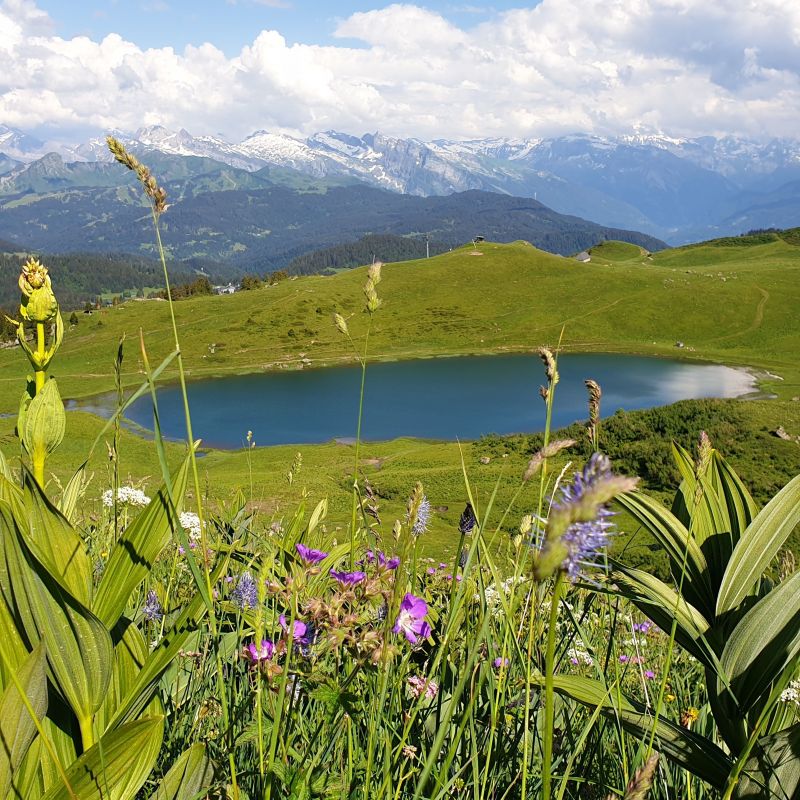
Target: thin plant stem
(212,616)
(549,695)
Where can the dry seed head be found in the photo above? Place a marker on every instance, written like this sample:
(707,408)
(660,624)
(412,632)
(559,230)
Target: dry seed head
(341,325)
(552,449)
(595,393)
(704,451)
(151,188)
(549,362)
(642,781)
(374,272)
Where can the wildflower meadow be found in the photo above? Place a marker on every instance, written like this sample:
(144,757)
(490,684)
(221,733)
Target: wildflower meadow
(156,645)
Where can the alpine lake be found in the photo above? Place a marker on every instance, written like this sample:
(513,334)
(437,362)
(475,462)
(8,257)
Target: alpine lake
(439,398)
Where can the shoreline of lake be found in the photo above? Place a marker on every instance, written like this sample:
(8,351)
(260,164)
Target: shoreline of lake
(734,382)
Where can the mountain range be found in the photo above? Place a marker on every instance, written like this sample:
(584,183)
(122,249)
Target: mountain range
(676,189)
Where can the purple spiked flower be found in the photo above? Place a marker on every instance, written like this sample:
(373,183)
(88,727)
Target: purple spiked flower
(411,619)
(579,525)
(152,610)
(423,517)
(348,578)
(309,555)
(245,595)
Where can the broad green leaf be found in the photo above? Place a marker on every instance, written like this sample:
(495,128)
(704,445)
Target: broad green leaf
(5,469)
(27,781)
(17,728)
(772,772)
(79,648)
(188,777)
(695,753)
(759,544)
(117,766)
(697,501)
(663,604)
(44,423)
(72,493)
(130,655)
(317,515)
(742,509)
(683,552)
(14,650)
(135,553)
(141,691)
(53,541)
(763,644)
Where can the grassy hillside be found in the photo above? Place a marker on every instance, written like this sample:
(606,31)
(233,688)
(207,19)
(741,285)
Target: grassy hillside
(729,304)
(726,301)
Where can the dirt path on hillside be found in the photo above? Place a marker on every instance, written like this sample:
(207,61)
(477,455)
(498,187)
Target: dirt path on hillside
(758,318)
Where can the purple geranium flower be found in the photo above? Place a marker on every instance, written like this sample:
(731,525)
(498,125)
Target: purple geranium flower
(310,556)
(301,632)
(500,662)
(255,654)
(411,619)
(348,578)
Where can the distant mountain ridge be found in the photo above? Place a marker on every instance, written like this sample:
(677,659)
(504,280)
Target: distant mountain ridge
(676,189)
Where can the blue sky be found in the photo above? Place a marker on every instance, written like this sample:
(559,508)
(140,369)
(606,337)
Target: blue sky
(232,24)
(438,69)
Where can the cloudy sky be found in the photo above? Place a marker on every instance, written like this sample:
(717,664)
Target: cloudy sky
(430,70)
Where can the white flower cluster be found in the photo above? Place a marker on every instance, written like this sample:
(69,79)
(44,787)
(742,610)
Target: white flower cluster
(492,594)
(190,522)
(127,496)
(577,655)
(792,693)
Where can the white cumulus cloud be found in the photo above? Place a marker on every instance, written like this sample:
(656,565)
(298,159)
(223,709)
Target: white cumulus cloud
(684,67)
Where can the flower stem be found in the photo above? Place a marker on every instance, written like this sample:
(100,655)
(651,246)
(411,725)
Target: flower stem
(547,759)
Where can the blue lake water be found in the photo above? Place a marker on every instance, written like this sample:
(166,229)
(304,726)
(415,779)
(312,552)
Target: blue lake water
(442,398)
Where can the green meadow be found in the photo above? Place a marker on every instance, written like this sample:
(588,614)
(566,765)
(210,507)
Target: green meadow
(731,301)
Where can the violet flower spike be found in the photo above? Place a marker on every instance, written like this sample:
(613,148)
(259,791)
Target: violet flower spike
(152,610)
(309,555)
(423,517)
(411,619)
(245,595)
(578,528)
(348,578)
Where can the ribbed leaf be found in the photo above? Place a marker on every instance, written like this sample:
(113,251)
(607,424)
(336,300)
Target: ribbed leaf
(673,536)
(53,541)
(742,509)
(72,493)
(135,553)
(14,648)
(141,690)
(663,604)
(79,648)
(695,753)
(763,644)
(759,544)
(117,766)
(5,469)
(130,655)
(17,728)
(773,770)
(188,777)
